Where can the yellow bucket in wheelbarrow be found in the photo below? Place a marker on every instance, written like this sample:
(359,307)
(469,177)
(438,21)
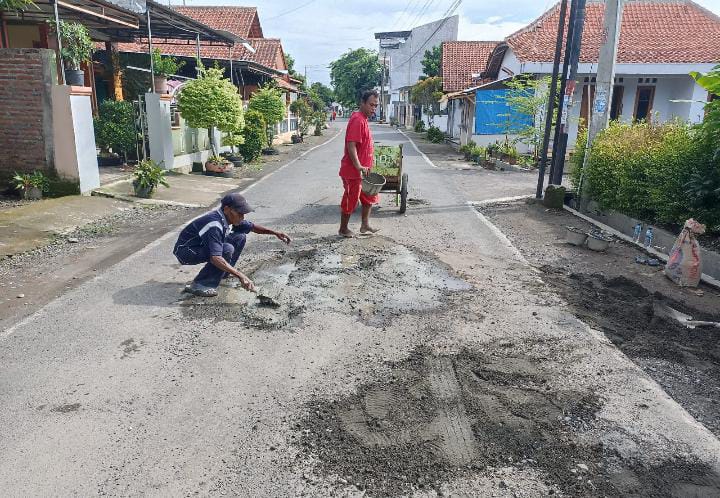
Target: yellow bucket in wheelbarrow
(373,183)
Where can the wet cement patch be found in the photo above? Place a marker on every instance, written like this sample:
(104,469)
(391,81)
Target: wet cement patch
(372,278)
(439,418)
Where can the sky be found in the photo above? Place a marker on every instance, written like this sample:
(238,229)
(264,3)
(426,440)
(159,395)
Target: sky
(316,32)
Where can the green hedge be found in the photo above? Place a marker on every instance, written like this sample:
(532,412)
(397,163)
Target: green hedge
(648,171)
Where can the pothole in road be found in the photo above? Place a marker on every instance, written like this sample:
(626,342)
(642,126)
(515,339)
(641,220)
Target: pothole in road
(372,278)
(438,418)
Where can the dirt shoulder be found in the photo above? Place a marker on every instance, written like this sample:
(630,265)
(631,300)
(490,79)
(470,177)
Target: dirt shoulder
(624,299)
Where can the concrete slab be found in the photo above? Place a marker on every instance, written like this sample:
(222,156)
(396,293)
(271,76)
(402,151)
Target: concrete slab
(34,225)
(193,190)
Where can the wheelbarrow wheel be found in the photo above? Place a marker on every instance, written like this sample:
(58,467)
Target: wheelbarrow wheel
(403,194)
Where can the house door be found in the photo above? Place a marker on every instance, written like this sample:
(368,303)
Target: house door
(644,102)
(586,105)
(615,108)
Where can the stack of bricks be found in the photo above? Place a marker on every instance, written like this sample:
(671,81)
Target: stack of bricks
(26,78)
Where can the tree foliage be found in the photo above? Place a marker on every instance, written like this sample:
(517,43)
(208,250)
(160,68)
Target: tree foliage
(427,93)
(270,103)
(165,66)
(77,46)
(325,93)
(431,62)
(211,101)
(527,100)
(353,72)
(15,5)
(253,136)
(304,112)
(115,126)
(290,61)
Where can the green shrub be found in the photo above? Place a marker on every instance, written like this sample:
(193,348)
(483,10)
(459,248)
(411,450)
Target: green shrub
(657,172)
(477,153)
(435,135)
(115,127)
(419,126)
(254,136)
(466,149)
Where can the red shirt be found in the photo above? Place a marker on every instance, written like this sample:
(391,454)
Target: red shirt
(358,131)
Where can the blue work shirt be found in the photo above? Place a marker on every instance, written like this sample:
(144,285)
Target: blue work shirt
(208,232)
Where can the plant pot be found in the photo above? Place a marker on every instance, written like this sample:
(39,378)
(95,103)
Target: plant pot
(31,194)
(575,236)
(270,151)
(596,243)
(161,86)
(109,160)
(143,192)
(224,169)
(296,139)
(74,77)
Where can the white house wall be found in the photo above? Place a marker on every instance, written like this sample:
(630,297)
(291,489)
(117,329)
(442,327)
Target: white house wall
(405,62)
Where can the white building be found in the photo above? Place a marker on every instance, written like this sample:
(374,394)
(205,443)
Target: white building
(404,52)
(661,41)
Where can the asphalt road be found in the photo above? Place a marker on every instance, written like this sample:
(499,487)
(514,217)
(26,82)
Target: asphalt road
(124,386)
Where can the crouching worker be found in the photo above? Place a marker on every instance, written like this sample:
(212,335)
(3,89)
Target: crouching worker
(217,239)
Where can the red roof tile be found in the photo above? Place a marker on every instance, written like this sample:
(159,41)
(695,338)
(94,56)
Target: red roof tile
(268,51)
(240,21)
(660,31)
(462,59)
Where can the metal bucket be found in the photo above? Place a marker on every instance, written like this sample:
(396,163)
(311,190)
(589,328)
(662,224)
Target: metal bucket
(596,243)
(575,236)
(373,183)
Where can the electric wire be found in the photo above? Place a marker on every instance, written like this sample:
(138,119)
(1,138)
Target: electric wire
(290,11)
(449,12)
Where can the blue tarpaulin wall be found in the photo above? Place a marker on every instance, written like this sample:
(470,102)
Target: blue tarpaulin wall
(491,112)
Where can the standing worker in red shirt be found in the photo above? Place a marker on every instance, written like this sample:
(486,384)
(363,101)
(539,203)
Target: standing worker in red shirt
(356,163)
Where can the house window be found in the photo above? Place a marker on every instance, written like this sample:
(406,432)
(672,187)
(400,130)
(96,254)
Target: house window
(617,102)
(644,102)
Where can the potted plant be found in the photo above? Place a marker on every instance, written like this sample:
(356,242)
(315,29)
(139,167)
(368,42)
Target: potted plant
(164,67)
(31,185)
(303,111)
(211,101)
(218,166)
(319,119)
(77,47)
(148,175)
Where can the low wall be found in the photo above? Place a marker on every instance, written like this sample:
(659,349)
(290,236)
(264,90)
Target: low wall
(662,239)
(26,125)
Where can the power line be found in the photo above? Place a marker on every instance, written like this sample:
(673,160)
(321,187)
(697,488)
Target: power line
(399,20)
(290,11)
(449,12)
(421,13)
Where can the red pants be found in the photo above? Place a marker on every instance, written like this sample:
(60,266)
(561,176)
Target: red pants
(353,194)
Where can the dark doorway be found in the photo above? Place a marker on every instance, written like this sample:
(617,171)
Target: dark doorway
(644,102)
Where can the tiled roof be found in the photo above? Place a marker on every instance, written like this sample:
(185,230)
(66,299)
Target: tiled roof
(268,51)
(240,21)
(462,59)
(652,31)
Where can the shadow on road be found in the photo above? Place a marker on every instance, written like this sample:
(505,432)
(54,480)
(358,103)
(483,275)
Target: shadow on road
(151,293)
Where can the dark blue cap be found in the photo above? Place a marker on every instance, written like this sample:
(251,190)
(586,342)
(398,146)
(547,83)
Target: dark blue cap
(236,202)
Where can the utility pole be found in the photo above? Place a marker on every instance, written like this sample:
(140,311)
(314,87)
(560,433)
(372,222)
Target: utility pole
(605,79)
(552,95)
(569,74)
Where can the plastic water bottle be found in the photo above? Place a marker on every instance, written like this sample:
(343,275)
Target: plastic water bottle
(638,231)
(649,238)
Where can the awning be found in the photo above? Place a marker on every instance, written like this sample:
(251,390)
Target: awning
(93,14)
(108,22)
(169,26)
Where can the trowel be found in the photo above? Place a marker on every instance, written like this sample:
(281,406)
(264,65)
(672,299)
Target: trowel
(265,300)
(682,318)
